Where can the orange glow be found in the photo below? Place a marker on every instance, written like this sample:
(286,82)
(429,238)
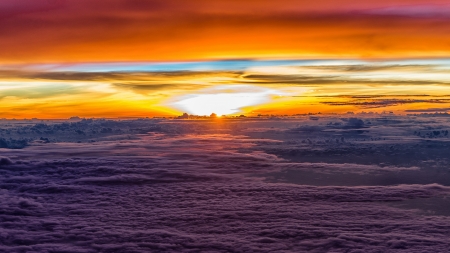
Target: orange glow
(391,51)
(119,30)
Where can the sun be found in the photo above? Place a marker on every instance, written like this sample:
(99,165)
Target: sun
(223,100)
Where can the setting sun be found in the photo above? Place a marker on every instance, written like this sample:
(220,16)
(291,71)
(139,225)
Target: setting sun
(223,100)
(224,126)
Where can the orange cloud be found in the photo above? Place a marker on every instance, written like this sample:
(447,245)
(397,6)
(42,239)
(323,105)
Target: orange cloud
(82,31)
(119,30)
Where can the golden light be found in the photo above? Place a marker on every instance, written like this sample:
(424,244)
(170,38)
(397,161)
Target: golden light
(223,100)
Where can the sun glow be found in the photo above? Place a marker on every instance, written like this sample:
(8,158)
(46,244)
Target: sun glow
(223,100)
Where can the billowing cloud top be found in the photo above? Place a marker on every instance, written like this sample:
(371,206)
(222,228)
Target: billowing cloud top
(361,183)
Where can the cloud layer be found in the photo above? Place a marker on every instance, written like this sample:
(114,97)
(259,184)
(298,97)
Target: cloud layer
(280,87)
(120,30)
(242,185)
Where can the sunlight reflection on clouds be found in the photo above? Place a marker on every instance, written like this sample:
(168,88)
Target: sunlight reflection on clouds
(224,100)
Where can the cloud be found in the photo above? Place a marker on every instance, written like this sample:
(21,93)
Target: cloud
(343,168)
(379,103)
(331,79)
(13,144)
(220,28)
(40,91)
(422,11)
(113,75)
(149,87)
(204,214)
(189,185)
(5,161)
(145,88)
(355,68)
(354,123)
(428,110)
(323,85)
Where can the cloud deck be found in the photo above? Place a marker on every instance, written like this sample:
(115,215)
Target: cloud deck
(247,185)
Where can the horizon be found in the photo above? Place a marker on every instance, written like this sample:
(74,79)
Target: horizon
(120,58)
(184,126)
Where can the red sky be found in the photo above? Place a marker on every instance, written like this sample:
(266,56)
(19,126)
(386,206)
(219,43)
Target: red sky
(130,30)
(382,49)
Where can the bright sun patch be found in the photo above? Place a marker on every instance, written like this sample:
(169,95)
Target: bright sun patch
(223,100)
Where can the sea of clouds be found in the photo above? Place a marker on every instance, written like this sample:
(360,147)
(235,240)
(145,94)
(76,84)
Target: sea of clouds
(354,183)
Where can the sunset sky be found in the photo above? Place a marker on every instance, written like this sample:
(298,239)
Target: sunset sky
(136,58)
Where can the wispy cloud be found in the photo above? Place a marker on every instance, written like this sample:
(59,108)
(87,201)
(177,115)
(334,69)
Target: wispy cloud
(447,109)
(330,84)
(379,103)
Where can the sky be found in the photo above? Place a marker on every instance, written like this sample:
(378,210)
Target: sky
(135,58)
(98,159)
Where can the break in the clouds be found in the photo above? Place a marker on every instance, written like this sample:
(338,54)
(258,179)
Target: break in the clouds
(223,100)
